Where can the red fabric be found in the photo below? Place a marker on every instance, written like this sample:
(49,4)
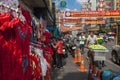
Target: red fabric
(27,16)
(48,52)
(4,18)
(38,69)
(23,42)
(59,46)
(48,75)
(10,24)
(22,45)
(47,37)
(7,49)
(12,48)
(8,59)
(49,49)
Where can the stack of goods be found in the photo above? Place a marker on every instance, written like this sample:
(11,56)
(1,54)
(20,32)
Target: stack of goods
(97,47)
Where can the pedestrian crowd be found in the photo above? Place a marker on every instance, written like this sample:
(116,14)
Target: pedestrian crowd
(58,45)
(62,46)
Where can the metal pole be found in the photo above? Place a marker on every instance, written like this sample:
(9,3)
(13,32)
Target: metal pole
(117,34)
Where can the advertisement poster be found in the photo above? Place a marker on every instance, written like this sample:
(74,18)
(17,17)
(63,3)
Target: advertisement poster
(105,4)
(108,4)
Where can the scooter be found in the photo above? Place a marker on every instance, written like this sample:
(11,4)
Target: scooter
(65,52)
(73,48)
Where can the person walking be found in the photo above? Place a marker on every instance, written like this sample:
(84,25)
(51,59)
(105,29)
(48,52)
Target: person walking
(82,42)
(53,42)
(92,39)
(59,48)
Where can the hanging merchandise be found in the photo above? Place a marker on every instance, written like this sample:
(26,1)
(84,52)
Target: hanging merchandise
(46,35)
(35,66)
(26,14)
(17,61)
(34,32)
(44,63)
(39,30)
(44,53)
(43,24)
(14,47)
(11,3)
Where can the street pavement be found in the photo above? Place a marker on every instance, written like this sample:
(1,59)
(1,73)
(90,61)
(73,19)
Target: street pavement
(71,70)
(108,63)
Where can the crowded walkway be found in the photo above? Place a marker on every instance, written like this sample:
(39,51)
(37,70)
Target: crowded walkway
(70,71)
(41,41)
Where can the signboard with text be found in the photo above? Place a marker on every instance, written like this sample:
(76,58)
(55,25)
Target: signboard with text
(84,22)
(105,13)
(63,4)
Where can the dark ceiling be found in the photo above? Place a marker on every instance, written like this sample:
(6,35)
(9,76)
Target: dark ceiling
(39,8)
(34,3)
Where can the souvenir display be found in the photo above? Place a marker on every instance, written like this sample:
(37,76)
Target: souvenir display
(18,60)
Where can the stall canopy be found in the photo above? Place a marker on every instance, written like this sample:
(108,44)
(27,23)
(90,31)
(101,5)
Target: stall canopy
(40,8)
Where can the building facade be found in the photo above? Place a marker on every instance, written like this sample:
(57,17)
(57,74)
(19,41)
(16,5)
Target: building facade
(89,5)
(116,4)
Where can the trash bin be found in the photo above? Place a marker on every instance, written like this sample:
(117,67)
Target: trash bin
(106,75)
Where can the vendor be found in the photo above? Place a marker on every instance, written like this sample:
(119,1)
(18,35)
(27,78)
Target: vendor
(92,39)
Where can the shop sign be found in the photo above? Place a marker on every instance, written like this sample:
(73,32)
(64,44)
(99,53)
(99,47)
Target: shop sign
(100,56)
(73,20)
(95,21)
(106,13)
(67,14)
(63,4)
(84,22)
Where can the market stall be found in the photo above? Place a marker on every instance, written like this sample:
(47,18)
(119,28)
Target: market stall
(17,35)
(97,53)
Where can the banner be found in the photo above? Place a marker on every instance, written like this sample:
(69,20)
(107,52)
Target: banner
(73,20)
(105,13)
(94,21)
(79,21)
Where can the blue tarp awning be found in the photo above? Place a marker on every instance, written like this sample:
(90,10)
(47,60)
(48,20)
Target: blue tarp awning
(50,28)
(55,30)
